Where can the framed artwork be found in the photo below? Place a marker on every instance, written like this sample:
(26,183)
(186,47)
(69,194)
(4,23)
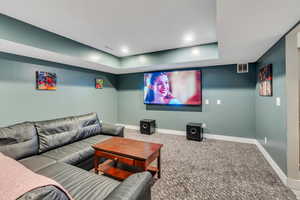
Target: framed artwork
(45,81)
(99,83)
(265,78)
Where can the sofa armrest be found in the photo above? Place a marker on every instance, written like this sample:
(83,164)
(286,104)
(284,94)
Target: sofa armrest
(135,187)
(112,130)
(46,192)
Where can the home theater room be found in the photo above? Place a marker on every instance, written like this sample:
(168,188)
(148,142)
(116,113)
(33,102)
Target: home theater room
(150,100)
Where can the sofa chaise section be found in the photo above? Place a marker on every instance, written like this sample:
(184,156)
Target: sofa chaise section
(84,185)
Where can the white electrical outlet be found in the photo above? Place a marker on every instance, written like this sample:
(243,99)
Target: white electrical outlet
(266,140)
(218,101)
(206,101)
(277,101)
(203,125)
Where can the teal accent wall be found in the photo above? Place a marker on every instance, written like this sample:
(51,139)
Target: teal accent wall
(181,55)
(234,117)
(75,94)
(20,32)
(271,119)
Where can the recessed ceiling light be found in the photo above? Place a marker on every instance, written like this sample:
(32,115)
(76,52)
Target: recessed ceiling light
(95,58)
(188,37)
(125,50)
(142,59)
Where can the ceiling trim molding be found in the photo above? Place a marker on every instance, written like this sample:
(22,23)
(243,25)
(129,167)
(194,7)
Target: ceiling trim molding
(37,53)
(183,65)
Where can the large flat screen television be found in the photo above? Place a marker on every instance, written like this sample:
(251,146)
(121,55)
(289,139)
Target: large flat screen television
(173,87)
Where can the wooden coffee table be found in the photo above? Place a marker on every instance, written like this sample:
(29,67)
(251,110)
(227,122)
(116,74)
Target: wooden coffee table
(137,154)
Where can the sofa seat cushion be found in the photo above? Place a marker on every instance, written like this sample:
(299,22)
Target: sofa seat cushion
(95,139)
(36,163)
(72,153)
(81,184)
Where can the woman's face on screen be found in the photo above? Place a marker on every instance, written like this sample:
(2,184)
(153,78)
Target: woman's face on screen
(161,85)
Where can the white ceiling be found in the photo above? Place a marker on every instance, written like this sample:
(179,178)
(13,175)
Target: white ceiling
(141,25)
(245,29)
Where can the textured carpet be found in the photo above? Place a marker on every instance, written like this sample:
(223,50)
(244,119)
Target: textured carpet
(213,170)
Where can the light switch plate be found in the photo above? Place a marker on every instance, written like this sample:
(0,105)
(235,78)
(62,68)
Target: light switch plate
(206,101)
(266,140)
(218,101)
(278,101)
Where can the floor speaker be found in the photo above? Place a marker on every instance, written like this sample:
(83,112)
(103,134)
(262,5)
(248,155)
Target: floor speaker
(194,131)
(147,126)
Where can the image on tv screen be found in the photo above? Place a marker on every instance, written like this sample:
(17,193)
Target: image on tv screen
(173,88)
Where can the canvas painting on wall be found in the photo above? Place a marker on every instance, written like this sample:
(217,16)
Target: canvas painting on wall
(265,81)
(45,80)
(99,83)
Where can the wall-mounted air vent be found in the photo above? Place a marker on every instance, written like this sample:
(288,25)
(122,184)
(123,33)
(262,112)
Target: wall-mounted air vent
(242,68)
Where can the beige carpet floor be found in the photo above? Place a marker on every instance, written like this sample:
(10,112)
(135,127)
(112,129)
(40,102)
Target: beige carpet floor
(213,170)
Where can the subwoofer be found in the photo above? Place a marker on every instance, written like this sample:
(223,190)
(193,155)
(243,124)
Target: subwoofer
(147,126)
(194,131)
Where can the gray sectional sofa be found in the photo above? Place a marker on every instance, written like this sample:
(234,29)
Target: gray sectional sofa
(61,150)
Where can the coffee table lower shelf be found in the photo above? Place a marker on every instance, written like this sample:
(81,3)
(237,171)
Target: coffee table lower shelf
(108,168)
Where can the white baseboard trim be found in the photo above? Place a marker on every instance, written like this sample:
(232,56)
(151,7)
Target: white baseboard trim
(206,135)
(230,138)
(159,130)
(273,164)
(129,126)
(294,184)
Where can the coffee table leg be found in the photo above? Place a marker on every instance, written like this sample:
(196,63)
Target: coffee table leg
(96,163)
(158,165)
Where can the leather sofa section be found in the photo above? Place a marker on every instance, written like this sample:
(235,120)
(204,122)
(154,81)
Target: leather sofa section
(45,193)
(88,125)
(95,139)
(19,140)
(73,154)
(81,184)
(135,187)
(112,130)
(59,132)
(36,163)
(56,133)
(77,152)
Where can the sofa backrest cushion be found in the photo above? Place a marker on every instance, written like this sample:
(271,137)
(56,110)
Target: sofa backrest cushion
(19,141)
(89,125)
(55,133)
(58,132)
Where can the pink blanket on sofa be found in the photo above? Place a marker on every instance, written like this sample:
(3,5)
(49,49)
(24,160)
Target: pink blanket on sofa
(16,180)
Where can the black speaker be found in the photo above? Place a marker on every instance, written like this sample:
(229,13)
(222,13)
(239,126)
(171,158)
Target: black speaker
(194,131)
(147,126)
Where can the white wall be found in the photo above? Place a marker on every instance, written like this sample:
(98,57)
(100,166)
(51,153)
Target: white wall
(292,88)
(298,39)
